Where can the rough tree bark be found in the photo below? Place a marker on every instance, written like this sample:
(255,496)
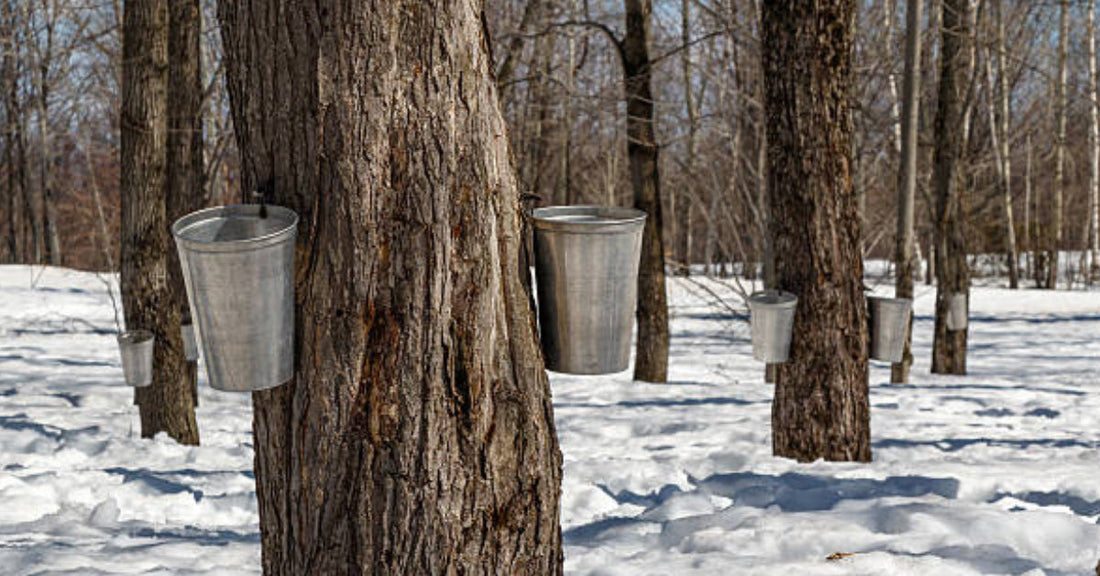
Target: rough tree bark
(821,396)
(651,358)
(907,177)
(9,70)
(417,436)
(146,295)
(173,403)
(952,273)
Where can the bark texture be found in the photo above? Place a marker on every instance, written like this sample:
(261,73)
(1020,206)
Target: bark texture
(417,436)
(651,359)
(952,272)
(821,404)
(146,295)
(183,194)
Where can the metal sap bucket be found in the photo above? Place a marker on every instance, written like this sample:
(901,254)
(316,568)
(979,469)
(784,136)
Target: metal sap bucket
(772,323)
(957,311)
(586,266)
(190,345)
(136,349)
(889,320)
(239,272)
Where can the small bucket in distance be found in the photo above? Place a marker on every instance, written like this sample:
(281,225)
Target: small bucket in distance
(889,323)
(135,347)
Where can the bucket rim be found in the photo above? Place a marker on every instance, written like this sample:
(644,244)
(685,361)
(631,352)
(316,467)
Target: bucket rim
(888,301)
(609,218)
(181,225)
(135,337)
(773,298)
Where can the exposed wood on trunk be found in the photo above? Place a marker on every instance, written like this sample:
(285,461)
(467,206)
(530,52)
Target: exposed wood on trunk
(907,177)
(417,436)
(952,273)
(821,396)
(146,296)
(651,358)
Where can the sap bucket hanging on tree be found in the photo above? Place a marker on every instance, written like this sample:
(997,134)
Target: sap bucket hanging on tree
(190,344)
(772,314)
(889,320)
(238,267)
(957,311)
(136,349)
(586,266)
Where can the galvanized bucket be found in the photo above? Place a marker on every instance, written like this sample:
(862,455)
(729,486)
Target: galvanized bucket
(190,345)
(586,267)
(238,268)
(957,311)
(772,323)
(889,320)
(136,349)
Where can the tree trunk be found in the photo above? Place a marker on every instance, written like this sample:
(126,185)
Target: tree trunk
(47,194)
(13,209)
(684,198)
(821,396)
(172,407)
(651,359)
(1059,150)
(417,436)
(146,295)
(952,274)
(1092,228)
(1004,113)
(907,178)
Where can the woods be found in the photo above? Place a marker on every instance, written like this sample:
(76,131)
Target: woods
(398,162)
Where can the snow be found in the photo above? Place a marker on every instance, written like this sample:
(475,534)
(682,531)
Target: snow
(991,473)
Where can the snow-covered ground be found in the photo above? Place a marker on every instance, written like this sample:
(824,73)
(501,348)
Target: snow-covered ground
(997,472)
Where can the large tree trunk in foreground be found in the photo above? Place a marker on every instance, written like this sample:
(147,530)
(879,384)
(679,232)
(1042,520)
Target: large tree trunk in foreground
(907,179)
(417,436)
(821,404)
(651,359)
(173,404)
(146,296)
(952,272)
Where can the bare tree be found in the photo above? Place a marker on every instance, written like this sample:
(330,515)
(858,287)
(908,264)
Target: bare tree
(417,436)
(651,359)
(952,272)
(1059,149)
(907,176)
(184,192)
(1092,218)
(821,396)
(146,294)
(1000,131)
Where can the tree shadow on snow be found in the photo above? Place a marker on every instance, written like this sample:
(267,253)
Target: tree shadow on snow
(789,492)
